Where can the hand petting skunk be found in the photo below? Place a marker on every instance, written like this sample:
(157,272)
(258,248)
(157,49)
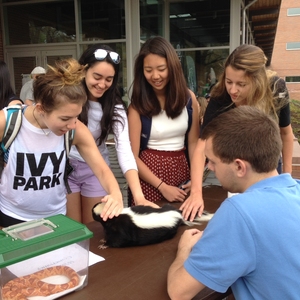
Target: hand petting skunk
(139,225)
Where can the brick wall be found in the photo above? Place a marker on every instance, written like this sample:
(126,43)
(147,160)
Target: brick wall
(287,62)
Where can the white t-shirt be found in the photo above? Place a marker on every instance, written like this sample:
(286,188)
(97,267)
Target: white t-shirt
(32,183)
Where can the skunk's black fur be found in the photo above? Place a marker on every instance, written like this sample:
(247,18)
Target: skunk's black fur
(139,225)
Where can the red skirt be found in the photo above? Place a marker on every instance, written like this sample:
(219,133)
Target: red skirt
(169,166)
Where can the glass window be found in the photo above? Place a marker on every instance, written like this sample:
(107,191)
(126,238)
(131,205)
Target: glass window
(202,68)
(293,12)
(40,23)
(102,20)
(151,18)
(292,79)
(293,46)
(203,23)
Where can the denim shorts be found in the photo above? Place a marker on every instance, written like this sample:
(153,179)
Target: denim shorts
(83,180)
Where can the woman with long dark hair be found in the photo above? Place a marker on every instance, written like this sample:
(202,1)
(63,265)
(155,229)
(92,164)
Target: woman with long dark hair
(104,113)
(163,122)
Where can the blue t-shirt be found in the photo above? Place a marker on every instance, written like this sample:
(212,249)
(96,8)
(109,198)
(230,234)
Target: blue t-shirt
(252,244)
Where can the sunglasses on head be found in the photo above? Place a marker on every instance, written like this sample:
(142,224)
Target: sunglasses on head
(101,54)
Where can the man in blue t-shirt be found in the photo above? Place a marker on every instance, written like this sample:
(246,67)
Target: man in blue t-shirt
(252,243)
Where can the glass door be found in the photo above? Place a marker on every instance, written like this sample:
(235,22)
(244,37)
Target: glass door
(21,63)
(49,57)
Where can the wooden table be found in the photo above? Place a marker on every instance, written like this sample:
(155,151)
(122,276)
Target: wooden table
(139,273)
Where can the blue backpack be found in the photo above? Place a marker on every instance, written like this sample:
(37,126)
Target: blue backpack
(12,127)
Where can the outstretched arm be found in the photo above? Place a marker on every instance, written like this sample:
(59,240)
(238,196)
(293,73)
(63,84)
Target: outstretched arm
(287,137)
(87,148)
(132,178)
(127,160)
(194,203)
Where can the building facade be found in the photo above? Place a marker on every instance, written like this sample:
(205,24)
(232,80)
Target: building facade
(203,32)
(286,52)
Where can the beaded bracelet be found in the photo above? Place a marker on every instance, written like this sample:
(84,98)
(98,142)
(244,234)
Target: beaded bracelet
(159,185)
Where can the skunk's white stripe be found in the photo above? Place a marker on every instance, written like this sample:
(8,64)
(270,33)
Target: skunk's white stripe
(154,220)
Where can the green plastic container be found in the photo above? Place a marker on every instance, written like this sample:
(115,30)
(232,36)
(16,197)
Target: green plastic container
(37,245)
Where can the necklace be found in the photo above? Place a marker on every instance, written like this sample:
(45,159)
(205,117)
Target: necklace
(45,133)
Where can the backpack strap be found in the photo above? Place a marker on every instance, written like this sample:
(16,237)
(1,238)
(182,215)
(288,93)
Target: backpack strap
(69,136)
(189,109)
(145,134)
(190,114)
(12,126)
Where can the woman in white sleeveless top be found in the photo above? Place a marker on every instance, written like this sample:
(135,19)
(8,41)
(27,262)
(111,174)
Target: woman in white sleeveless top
(160,96)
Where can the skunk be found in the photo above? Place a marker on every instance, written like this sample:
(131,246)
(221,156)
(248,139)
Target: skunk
(140,225)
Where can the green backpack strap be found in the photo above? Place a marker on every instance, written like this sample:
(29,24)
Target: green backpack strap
(69,136)
(12,126)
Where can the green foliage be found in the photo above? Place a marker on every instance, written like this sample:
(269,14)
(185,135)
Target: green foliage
(295,118)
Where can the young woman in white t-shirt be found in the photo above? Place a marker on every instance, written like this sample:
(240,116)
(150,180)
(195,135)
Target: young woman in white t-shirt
(32,182)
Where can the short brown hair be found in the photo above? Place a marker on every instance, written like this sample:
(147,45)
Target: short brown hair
(248,134)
